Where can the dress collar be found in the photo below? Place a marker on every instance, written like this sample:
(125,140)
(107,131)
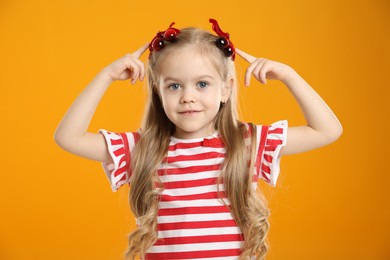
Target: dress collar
(208,141)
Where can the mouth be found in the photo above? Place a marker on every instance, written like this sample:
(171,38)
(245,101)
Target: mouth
(189,112)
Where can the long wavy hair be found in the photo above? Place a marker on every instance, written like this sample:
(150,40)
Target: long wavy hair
(248,206)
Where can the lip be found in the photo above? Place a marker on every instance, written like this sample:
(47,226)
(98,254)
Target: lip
(189,112)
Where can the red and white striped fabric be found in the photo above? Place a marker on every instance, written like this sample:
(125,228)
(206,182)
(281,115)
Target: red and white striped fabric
(193,223)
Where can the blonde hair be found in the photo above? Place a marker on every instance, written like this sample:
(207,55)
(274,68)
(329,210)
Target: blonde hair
(248,206)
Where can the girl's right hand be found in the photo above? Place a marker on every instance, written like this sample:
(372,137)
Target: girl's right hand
(128,67)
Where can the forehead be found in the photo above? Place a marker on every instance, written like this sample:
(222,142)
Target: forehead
(187,61)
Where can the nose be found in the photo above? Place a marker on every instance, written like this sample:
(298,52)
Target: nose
(188,96)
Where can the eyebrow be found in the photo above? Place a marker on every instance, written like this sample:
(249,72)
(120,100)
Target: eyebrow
(197,77)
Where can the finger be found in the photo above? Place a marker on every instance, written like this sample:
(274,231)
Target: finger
(133,69)
(249,58)
(250,70)
(263,73)
(248,75)
(257,70)
(134,74)
(141,69)
(263,77)
(141,50)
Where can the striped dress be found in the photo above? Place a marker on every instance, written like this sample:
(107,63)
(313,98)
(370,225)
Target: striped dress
(193,223)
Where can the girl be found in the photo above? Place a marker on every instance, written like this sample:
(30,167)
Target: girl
(193,166)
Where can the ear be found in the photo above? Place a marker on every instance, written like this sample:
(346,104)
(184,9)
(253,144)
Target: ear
(227,89)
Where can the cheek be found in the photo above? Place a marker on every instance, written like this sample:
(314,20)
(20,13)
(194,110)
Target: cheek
(214,100)
(217,95)
(167,102)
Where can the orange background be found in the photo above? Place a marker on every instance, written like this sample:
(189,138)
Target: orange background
(331,203)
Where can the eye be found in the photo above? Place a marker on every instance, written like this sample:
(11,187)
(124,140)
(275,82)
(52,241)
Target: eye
(174,86)
(202,84)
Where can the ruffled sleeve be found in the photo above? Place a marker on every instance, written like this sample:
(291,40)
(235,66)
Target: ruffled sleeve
(119,146)
(270,139)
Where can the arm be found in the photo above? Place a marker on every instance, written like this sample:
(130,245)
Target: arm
(322,127)
(71,134)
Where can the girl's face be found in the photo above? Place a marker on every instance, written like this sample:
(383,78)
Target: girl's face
(191,91)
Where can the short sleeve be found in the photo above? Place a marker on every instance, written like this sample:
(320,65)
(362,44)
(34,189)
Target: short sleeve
(269,141)
(119,146)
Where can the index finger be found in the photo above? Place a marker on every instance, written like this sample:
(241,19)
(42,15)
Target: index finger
(141,50)
(249,58)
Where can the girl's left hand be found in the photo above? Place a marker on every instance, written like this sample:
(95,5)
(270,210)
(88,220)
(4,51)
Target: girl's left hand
(264,69)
